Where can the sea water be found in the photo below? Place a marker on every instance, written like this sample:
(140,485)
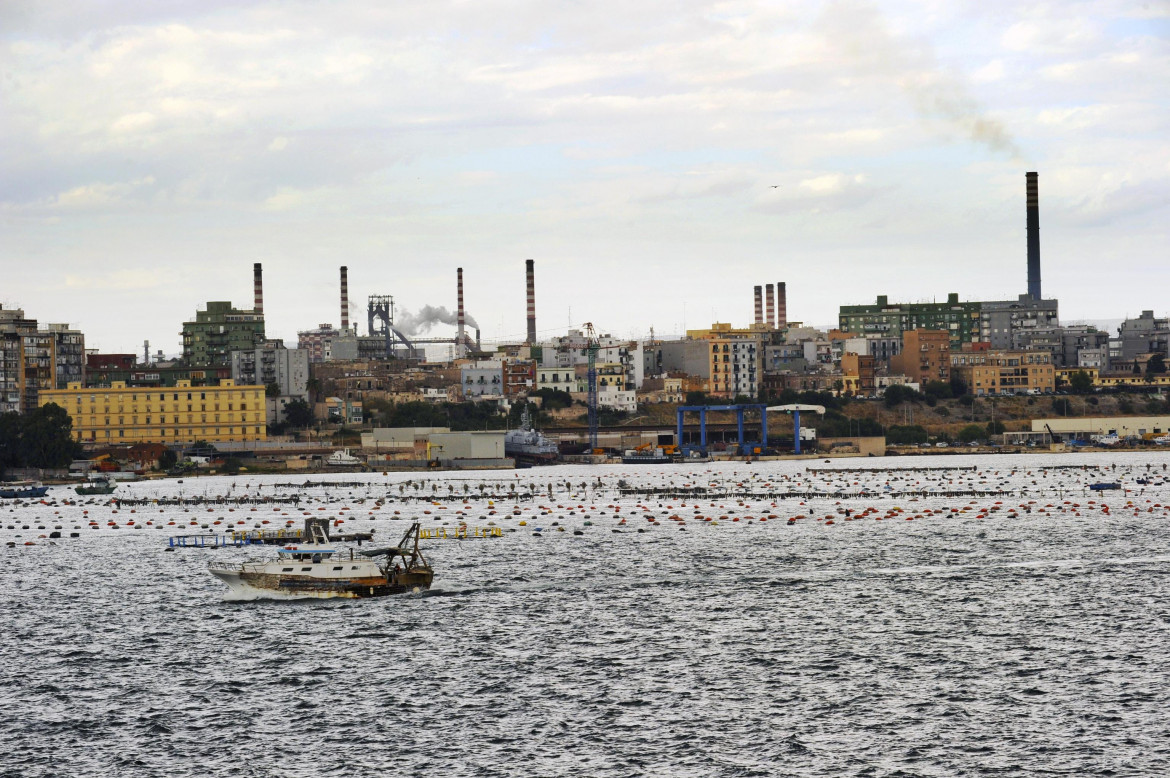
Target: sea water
(935,616)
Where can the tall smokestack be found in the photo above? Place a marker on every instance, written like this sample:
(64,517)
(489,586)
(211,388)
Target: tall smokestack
(771,306)
(344,297)
(531,273)
(257,289)
(781,305)
(759,305)
(477,346)
(1033,235)
(460,316)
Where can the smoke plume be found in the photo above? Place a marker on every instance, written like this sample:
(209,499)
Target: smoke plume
(426,318)
(856,30)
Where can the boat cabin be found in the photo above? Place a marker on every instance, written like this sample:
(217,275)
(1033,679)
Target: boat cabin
(298,554)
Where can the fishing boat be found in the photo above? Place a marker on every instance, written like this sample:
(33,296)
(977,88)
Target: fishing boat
(98,486)
(319,568)
(19,490)
(647,456)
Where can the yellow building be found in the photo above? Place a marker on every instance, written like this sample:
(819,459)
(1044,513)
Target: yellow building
(179,414)
(736,359)
(1005,372)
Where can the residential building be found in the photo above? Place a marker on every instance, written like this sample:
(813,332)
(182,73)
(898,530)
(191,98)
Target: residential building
(1002,323)
(180,414)
(218,331)
(34,358)
(925,357)
(1144,335)
(326,343)
(483,379)
(995,322)
(273,364)
(563,378)
(735,360)
(993,371)
(858,374)
(885,319)
(519,377)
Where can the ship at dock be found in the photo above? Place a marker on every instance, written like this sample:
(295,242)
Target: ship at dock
(529,445)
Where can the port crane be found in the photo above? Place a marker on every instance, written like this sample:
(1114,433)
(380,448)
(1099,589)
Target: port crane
(591,347)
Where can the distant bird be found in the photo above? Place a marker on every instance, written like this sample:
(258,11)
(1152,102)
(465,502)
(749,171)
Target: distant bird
(775,186)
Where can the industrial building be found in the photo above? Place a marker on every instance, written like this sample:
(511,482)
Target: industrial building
(426,444)
(179,414)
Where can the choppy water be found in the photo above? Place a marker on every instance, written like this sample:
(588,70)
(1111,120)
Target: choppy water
(1031,641)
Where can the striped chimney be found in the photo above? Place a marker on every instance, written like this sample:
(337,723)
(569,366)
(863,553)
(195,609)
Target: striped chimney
(344,297)
(531,275)
(257,289)
(781,305)
(771,305)
(759,305)
(460,316)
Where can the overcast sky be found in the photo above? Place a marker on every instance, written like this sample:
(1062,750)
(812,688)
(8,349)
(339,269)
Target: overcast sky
(656,159)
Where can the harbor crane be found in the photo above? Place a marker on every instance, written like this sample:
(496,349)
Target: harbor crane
(591,347)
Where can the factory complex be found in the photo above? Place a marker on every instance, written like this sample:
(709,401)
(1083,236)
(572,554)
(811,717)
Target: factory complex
(236,386)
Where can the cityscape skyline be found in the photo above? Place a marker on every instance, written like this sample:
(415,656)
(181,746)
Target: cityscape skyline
(656,163)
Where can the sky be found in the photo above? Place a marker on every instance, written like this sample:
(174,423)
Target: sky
(657,160)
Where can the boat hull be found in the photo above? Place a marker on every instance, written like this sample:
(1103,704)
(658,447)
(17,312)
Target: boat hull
(252,586)
(23,494)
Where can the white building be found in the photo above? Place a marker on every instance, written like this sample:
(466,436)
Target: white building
(623,400)
(483,379)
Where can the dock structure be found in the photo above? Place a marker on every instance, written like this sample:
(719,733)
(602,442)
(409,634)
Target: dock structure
(250,537)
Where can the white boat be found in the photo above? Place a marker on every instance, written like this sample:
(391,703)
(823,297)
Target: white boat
(343,459)
(1163,440)
(319,569)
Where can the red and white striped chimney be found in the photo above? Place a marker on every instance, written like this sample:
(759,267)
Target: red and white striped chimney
(460,316)
(531,273)
(781,305)
(759,305)
(257,290)
(770,300)
(344,297)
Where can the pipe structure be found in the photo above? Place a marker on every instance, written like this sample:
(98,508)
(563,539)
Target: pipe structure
(781,305)
(530,273)
(771,305)
(257,290)
(759,304)
(1033,224)
(344,297)
(460,316)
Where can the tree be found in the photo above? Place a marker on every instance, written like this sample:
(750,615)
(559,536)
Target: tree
(906,434)
(299,414)
(272,390)
(46,438)
(553,399)
(1156,365)
(1080,382)
(971,433)
(897,394)
(1062,406)
(167,460)
(995,428)
(937,390)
